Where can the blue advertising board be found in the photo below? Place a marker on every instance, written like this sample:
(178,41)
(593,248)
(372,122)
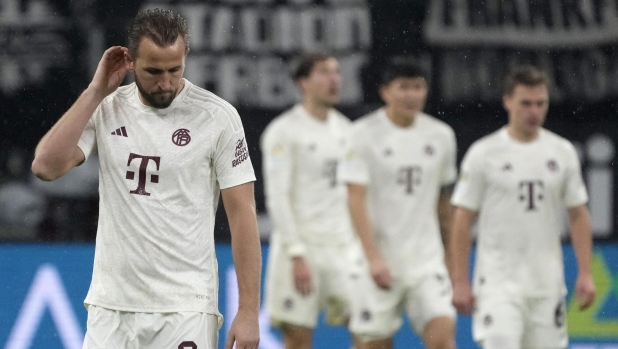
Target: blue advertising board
(42,288)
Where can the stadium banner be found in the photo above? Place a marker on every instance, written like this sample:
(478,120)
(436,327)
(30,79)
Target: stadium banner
(43,287)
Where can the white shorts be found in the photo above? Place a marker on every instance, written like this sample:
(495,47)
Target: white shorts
(108,329)
(531,323)
(377,313)
(332,268)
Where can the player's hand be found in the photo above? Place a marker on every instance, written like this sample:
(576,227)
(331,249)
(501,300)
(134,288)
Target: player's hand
(244,331)
(380,273)
(463,299)
(112,68)
(302,276)
(584,290)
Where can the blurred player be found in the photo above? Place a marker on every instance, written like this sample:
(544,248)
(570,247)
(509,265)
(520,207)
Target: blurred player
(518,180)
(167,148)
(313,245)
(400,169)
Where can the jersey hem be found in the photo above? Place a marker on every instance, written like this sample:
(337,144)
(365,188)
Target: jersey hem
(236,180)
(355,180)
(465,205)
(166,309)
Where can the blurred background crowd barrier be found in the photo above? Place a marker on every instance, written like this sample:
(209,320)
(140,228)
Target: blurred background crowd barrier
(242,50)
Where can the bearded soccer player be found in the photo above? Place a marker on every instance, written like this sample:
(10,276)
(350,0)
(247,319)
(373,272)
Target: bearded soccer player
(399,171)
(313,245)
(167,148)
(518,181)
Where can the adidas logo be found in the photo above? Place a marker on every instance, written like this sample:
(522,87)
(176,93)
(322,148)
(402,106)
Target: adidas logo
(120,132)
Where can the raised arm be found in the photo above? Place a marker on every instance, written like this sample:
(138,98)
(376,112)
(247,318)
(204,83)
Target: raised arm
(57,152)
(240,208)
(360,220)
(459,256)
(581,238)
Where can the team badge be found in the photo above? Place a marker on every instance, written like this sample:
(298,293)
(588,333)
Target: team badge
(388,152)
(366,315)
(507,167)
(552,165)
(429,150)
(488,320)
(181,137)
(288,304)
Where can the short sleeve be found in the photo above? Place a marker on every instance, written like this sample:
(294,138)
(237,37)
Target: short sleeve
(449,169)
(88,140)
(574,193)
(231,154)
(471,185)
(277,157)
(355,166)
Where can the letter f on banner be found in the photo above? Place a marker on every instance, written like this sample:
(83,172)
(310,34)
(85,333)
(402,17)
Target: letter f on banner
(46,291)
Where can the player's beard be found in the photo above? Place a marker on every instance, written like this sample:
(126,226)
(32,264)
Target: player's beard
(159,99)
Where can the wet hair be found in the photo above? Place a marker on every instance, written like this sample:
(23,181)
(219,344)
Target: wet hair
(307,62)
(402,68)
(526,75)
(161,26)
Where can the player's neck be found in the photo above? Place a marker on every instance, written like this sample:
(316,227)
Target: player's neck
(522,136)
(317,110)
(402,121)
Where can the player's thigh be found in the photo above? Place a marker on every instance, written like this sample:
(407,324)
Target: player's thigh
(284,304)
(339,267)
(376,313)
(429,298)
(546,326)
(106,328)
(498,320)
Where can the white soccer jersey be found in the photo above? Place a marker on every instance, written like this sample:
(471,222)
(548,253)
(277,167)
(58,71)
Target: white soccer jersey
(404,170)
(305,201)
(521,190)
(160,175)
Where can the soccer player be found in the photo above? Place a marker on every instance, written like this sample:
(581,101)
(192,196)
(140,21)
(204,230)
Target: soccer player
(399,171)
(518,181)
(167,148)
(313,245)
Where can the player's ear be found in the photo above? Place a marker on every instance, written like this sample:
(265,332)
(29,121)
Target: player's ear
(302,84)
(382,91)
(506,102)
(129,59)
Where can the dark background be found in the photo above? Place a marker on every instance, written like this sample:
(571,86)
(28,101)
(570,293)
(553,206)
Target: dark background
(583,104)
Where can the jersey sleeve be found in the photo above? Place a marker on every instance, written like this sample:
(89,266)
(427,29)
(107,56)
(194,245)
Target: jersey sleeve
(470,187)
(88,140)
(231,154)
(278,167)
(355,165)
(574,193)
(449,168)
